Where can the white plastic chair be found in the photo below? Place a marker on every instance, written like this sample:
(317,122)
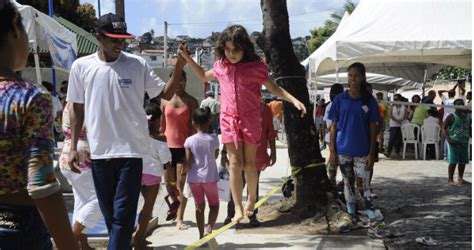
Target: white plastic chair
(430,134)
(409,136)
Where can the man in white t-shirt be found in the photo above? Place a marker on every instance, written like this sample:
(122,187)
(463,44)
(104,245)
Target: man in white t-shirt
(211,103)
(107,91)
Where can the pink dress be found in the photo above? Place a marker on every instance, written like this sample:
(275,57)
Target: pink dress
(240,84)
(82,145)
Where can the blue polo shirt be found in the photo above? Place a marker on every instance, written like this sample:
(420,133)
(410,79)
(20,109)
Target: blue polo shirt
(353,120)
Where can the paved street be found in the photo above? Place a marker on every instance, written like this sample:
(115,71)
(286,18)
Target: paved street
(413,195)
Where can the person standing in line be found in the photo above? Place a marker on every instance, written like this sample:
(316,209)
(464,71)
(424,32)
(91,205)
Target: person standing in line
(200,166)
(177,126)
(86,206)
(277,110)
(458,127)
(241,74)
(398,114)
(158,159)
(336,89)
(354,114)
(107,91)
(32,207)
(211,103)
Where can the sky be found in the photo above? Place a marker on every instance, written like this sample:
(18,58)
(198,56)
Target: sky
(199,18)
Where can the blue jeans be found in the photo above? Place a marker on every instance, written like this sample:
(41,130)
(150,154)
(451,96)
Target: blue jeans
(22,228)
(117,183)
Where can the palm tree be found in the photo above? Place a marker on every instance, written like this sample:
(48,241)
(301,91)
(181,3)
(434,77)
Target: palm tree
(336,17)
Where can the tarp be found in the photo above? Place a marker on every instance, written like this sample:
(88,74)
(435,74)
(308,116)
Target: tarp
(49,34)
(399,33)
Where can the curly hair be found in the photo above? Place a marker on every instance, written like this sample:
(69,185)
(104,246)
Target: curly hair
(241,40)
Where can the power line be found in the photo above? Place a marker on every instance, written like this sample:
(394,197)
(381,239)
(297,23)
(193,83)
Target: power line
(243,20)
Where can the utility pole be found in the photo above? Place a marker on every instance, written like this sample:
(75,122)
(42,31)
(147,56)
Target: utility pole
(165,46)
(120,8)
(98,7)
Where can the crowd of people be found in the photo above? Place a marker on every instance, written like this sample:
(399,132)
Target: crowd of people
(126,131)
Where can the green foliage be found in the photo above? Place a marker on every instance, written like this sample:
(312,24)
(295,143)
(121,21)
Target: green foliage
(451,72)
(83,15)
(321,34)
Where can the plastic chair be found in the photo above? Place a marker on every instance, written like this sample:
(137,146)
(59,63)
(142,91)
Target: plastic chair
(430,134)
(410,136)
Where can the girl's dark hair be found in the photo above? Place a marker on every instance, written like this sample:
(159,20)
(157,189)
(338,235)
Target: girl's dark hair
(415,96)
(365,89)
(202,116)
(153,109)
(9,18)
(184,74)
(336,89)
(241,40)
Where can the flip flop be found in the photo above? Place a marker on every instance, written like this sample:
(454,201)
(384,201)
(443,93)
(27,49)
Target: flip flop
(182,226)
(426,240)
(173,209)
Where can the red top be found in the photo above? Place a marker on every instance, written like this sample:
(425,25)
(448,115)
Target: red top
(177,125)
(268,134)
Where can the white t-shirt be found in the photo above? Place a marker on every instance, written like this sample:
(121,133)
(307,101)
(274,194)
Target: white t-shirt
(57,107)
(327,136)
(212,104)
(398,113)
(113,95)
(159,155)
(431,120)
(450,101)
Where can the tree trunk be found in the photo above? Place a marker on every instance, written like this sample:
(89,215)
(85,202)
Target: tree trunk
(120,8)
(303,143)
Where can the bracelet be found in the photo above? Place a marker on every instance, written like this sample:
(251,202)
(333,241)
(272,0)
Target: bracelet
(172,183)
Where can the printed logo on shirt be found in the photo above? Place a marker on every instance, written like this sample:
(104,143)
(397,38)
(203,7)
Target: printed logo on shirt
(365,108)
(125,83)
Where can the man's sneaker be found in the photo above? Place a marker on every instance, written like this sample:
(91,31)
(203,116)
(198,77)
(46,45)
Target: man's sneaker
(378,230)
(346,225)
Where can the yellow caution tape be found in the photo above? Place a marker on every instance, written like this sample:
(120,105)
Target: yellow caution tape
(258,204)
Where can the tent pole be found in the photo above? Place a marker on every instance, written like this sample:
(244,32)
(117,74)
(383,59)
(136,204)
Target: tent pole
(37,64)
(337,72)
(424,84)
(53,71)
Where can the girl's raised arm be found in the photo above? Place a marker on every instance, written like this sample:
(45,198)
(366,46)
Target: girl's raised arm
(198,70)
(276,90)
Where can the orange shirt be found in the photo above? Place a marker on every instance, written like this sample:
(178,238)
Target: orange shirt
(277,108)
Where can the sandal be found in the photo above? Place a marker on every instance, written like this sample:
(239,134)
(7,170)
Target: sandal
(173,209)
(182,226)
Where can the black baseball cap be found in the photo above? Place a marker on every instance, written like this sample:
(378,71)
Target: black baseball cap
(113,26)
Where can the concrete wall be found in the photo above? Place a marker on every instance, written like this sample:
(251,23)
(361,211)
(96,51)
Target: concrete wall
(194,87)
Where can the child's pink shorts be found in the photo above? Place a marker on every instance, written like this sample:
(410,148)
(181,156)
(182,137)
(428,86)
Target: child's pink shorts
(246,128)
(150,180)
(209,189)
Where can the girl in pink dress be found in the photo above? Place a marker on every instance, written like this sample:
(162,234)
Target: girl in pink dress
(241,74)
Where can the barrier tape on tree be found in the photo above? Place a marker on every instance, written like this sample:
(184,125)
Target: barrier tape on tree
(258,204)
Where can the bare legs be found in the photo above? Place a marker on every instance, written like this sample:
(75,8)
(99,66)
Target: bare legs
(451,169)
(242,158)
(149,194)
(181,180)
(77,229)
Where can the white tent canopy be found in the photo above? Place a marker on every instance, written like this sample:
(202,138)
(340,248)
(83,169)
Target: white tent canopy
(378,82)
(47,34)
(399,34)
